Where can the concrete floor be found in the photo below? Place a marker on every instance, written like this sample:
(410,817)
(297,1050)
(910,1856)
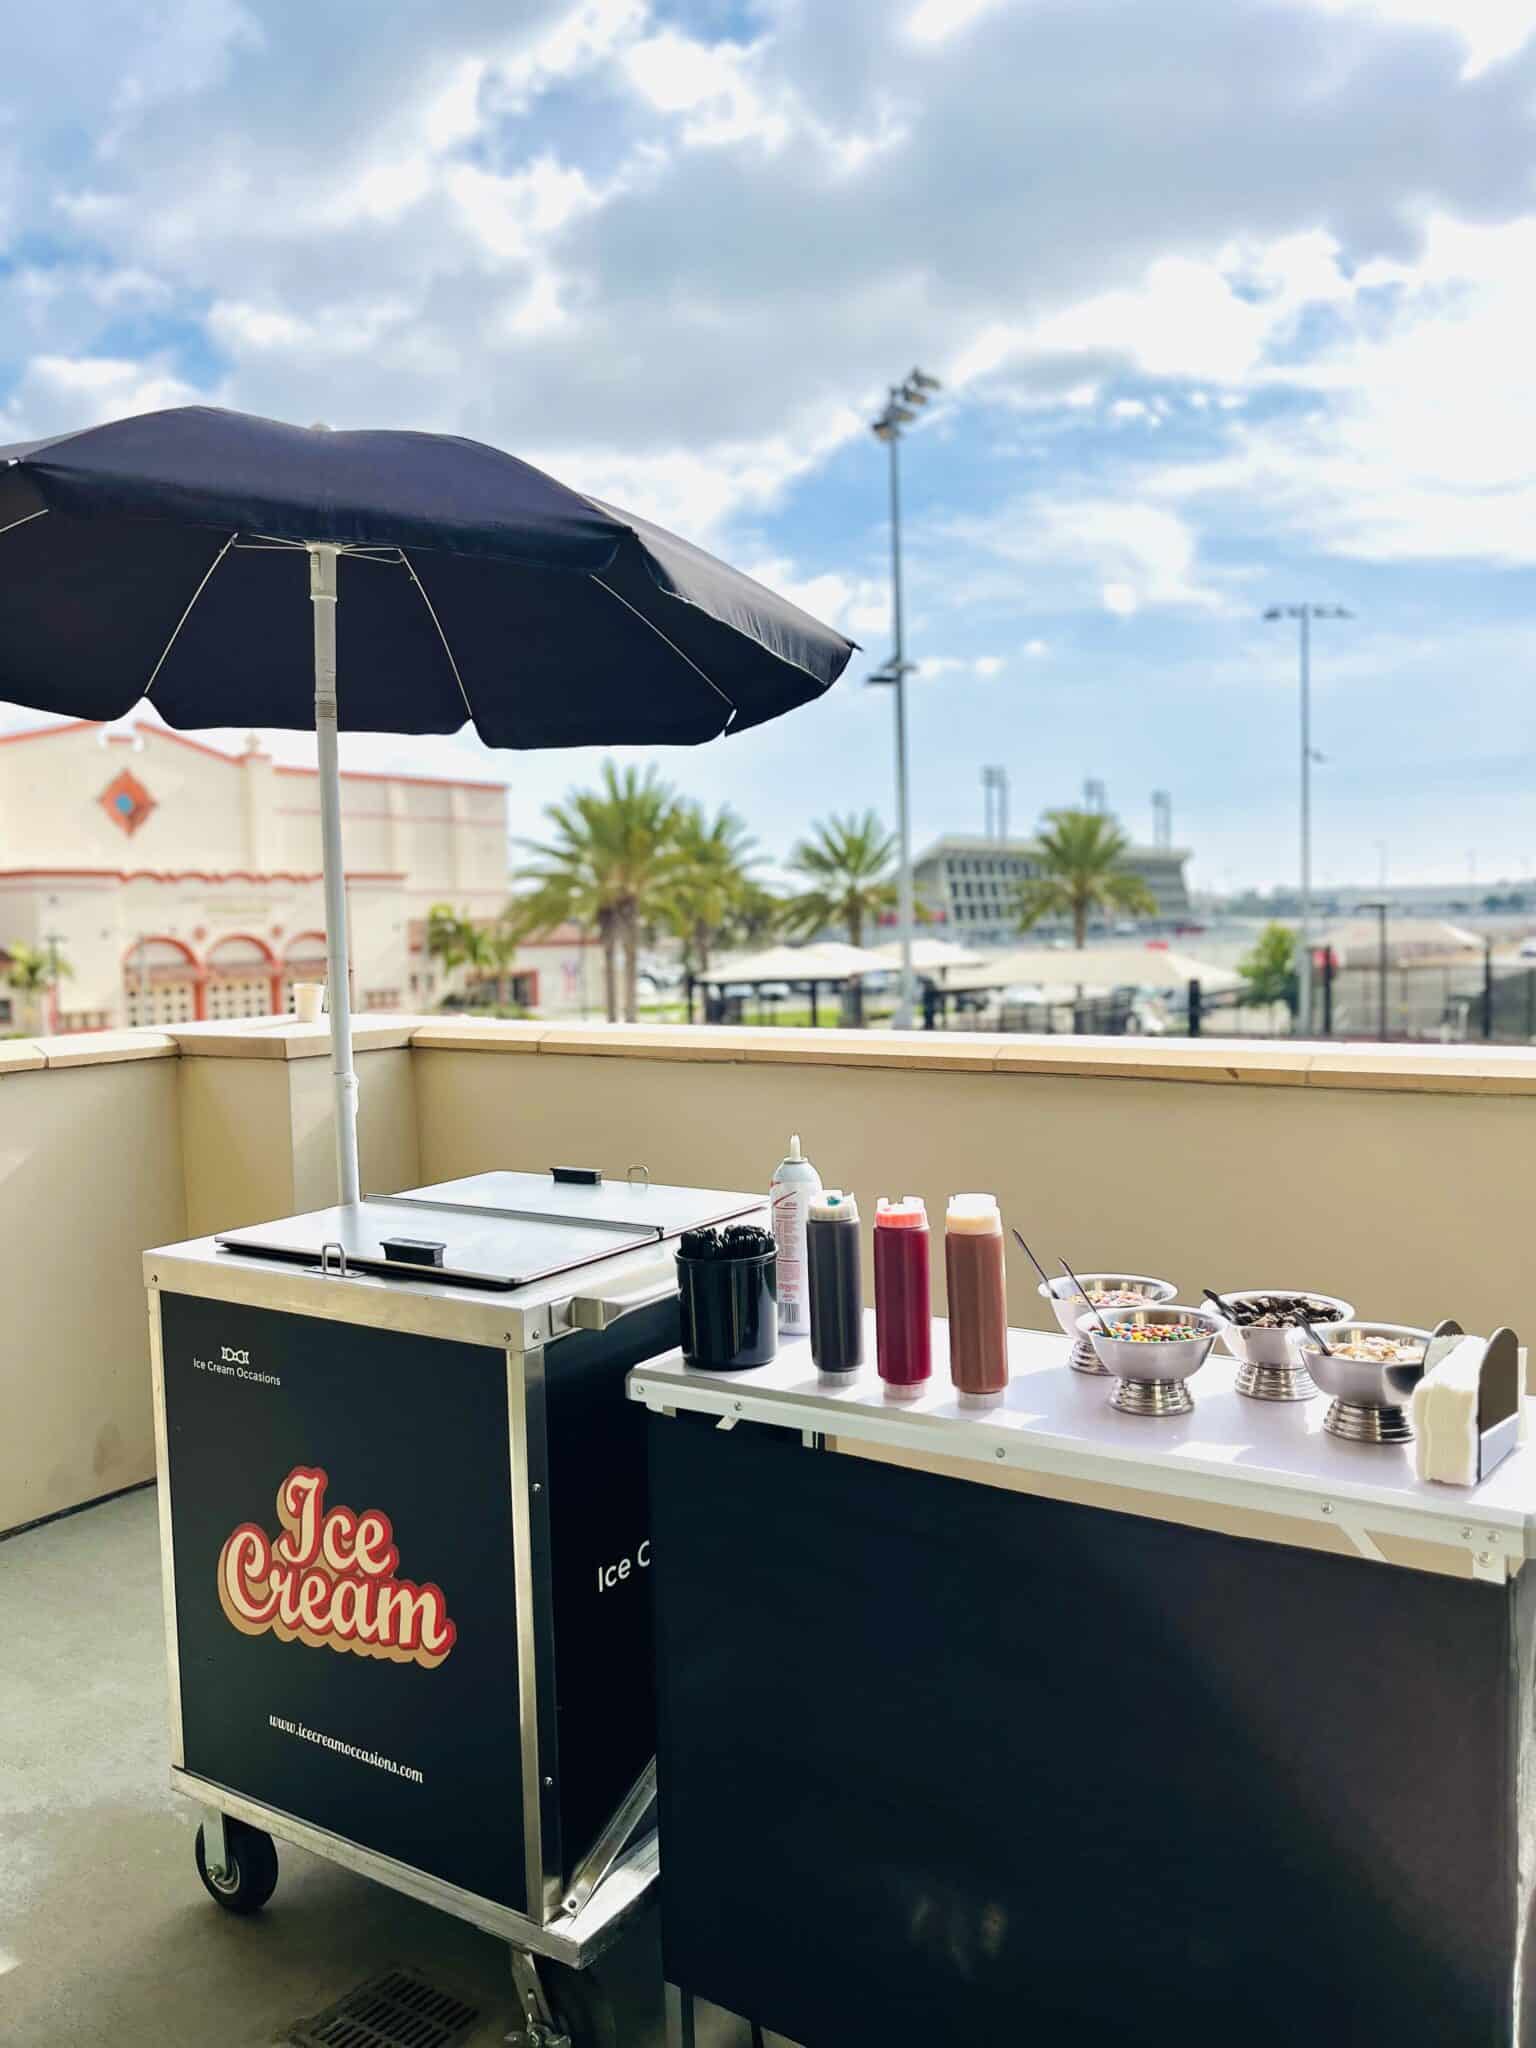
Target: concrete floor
(107,1939)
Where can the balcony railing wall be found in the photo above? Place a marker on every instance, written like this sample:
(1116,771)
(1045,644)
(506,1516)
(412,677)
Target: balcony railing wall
(1397,1176)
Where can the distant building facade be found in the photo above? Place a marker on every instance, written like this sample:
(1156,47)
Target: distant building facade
(178,881)
(969,886)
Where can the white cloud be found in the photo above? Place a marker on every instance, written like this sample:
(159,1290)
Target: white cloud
(674,267)
(1491,29)
(935,21)
(1120,553)
(63,391)
(989,665)
(576,225)
(1416,439)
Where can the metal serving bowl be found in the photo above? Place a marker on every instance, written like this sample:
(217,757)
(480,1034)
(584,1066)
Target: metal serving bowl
(1149,1378)
(1068,1304)
(1266,1363)
(1370,1402)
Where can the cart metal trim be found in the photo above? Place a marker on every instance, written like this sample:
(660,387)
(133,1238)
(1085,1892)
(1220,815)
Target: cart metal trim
(1048,1429)
(574,1938)
(167,1553)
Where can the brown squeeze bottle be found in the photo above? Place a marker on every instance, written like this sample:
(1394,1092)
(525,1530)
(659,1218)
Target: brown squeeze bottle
(978,1299)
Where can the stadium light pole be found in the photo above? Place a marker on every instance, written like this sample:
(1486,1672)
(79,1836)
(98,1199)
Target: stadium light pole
(1304,614)
(902,406)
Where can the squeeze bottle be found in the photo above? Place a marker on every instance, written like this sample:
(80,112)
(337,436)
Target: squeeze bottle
(836,1288)
(978,1299)
(903,1297)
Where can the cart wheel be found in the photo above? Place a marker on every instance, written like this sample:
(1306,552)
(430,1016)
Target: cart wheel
(580,2007)
(252,1877)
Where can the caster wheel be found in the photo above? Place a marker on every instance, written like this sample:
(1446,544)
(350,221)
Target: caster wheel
(580,2007)
(252,1877)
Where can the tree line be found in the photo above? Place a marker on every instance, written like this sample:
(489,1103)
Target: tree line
(632,861)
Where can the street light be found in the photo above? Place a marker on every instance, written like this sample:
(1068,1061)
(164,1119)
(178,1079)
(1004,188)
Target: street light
(903,403)
(1304,614)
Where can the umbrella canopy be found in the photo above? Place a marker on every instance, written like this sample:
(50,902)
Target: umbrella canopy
(195,557)
(164,556)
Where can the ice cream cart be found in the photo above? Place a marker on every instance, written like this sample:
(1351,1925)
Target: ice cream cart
(405,1540)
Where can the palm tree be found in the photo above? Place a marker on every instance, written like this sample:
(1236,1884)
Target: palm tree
(610,866)
(457,941)
(1082,863)
(847,865)
(710,863)
(755,917)
(33,972)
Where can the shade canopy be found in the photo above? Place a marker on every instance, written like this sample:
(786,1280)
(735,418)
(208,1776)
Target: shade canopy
(829,961)
(933,957)
(164,556)
(1094,970)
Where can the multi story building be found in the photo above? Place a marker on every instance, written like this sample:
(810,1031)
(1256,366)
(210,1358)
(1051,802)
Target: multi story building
(969,885)
(177,881)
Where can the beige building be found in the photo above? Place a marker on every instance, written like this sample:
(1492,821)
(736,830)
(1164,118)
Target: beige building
(177,881)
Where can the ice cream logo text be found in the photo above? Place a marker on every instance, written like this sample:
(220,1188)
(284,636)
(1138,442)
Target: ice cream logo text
(329,1581)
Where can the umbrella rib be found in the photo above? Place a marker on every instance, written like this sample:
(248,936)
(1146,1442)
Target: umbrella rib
(191,601)
(688,658)
(410,569)
(26,520)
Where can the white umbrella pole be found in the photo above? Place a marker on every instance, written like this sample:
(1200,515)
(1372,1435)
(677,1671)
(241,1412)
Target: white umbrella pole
(322,591)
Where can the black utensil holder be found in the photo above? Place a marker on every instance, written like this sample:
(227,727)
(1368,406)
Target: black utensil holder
(730,1311)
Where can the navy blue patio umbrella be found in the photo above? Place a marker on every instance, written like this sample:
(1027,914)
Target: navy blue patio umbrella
(193,557)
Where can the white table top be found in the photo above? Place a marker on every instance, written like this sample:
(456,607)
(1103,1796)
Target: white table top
(1265,1456)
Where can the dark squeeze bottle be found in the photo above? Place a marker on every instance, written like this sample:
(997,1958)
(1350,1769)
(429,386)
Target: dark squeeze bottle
(903,1297)
(836,1284)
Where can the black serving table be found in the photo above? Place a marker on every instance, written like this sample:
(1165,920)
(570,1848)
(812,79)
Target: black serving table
(1049,1724)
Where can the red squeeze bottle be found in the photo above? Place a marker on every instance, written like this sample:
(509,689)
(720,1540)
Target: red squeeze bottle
(903,1297)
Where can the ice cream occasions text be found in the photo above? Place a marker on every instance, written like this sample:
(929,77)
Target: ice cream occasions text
(329,1581)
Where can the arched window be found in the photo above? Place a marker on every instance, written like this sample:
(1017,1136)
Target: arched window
(162,981)
(242,978)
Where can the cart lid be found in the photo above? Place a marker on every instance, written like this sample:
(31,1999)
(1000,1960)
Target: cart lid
(501,1230)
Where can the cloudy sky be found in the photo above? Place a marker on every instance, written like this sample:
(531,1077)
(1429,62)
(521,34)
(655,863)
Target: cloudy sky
(1233,301)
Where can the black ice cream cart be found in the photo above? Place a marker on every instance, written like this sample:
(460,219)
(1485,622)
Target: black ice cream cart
(406,1544)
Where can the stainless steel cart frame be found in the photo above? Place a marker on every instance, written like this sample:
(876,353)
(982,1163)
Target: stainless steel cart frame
(573,1912)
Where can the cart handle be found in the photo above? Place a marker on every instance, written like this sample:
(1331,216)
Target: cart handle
(655,1283)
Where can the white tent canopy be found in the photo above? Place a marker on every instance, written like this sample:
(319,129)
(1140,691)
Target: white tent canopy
(832,961)
(1095,970)
(935,957)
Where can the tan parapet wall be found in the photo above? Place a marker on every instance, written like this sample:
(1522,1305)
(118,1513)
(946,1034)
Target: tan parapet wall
(90,1172)
(1396,1176)
(114,1141)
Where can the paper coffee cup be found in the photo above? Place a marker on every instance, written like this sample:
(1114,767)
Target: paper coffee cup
(308,1001)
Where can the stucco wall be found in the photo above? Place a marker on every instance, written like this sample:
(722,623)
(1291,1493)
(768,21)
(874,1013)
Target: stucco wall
(1395,1176)
(90,1173)
(1412,1203)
